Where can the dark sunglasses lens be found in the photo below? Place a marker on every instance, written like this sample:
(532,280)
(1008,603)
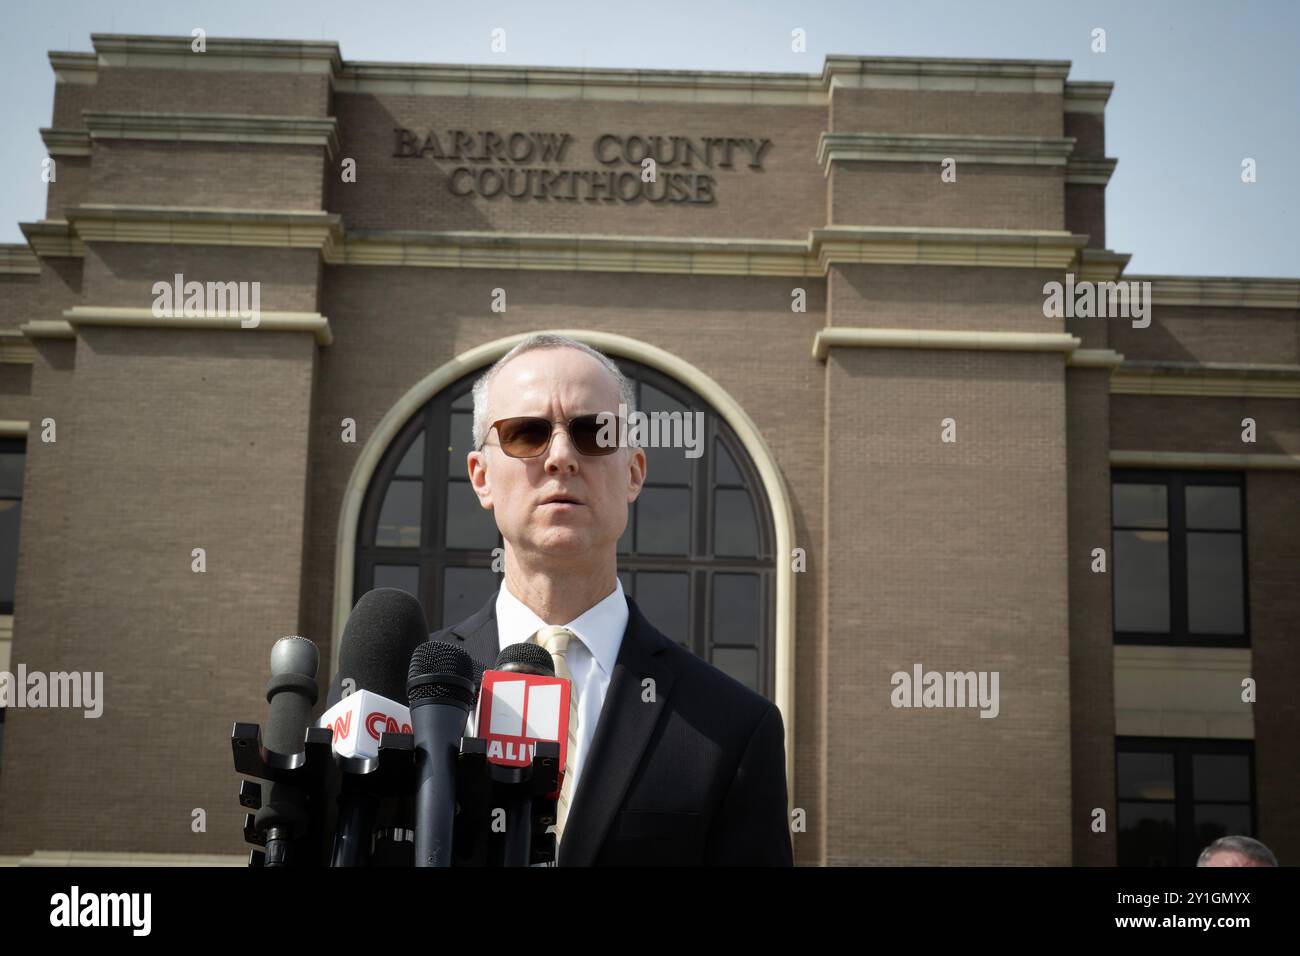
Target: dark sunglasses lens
(524,437)
(595,434)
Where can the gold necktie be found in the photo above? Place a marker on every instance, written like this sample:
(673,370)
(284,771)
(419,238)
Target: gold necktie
(556,640)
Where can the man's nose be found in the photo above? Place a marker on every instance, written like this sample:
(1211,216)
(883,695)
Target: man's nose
(562,452)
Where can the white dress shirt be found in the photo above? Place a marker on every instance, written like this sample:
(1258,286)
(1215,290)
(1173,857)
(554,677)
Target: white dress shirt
(591,656)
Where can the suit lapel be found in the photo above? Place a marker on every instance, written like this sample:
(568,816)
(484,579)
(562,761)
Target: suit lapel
(622,732)
(478,633)
(624,728)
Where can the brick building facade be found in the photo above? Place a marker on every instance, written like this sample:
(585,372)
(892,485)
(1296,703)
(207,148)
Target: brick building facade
(802,271)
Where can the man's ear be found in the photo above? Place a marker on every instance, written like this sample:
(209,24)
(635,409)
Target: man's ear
(476,465)
(636,474)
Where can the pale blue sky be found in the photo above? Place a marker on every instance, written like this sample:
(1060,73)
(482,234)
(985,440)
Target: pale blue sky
(1198,85)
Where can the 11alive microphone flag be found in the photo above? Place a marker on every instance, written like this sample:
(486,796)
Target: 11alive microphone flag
(516,710)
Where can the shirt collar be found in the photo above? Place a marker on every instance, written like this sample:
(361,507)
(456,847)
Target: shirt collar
(600,627)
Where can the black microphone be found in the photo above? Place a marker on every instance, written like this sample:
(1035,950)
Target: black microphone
(440,686)
(385,626)
(291,692)
(526,658)
(521,658)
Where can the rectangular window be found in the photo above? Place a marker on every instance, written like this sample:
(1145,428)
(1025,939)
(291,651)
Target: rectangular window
(1176,796)
(13,459)
(1178,546)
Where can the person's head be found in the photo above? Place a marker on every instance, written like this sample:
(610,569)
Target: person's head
(1236,851)
(558,379)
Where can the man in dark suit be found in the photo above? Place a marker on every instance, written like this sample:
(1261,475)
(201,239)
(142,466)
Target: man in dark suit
(671,761)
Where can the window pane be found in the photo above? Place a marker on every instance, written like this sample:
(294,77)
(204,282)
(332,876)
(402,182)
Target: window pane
(1147,835)
(1142,581)
(462,443)
(11,473)
(738,663)
(405,577)
(1213,506)
(1138,506)
(469,524)
(663,521)
(664,598)
(727,472)
(1220,777)
(735,610)
(399,518)
(464,591)
(735,530)
(465,402)
(1214,584)
(666,466)
(1145,776)
(10,518)
(1213,820)
(625,577)
(412,463)
(668,463)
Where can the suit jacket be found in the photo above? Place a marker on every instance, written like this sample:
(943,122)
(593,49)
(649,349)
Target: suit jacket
(696,777)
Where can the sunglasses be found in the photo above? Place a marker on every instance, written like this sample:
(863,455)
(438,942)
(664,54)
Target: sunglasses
(528,436)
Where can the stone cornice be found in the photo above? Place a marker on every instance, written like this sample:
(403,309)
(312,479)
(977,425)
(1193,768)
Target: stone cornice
(1206,379)
(311,322)
(1100,265)
(1005,248)
(923,73)
(215,227)
(15,349)
(53,238)
(892,148)
(1084,96)
(582,83)
(74,67)
(586,253)
(17,259)
(47,329)
(1089,172)
(220,53)
(1223,291)
(838,336)
(66,142)
(214,128)
(693,86)
(1094,358)
(994,248)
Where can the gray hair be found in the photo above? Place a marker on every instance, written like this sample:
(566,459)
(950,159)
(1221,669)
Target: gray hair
(1250,848)
(542,340)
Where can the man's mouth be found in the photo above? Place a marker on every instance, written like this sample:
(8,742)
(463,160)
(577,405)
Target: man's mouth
(561,500)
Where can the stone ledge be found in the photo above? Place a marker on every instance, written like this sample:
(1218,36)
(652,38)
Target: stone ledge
(976,150)
(110,316)
(836,337)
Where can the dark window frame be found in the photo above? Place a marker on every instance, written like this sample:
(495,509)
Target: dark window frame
(11,446)
(1183,749)
(1175,483)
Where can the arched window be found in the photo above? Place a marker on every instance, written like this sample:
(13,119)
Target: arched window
(697,555)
